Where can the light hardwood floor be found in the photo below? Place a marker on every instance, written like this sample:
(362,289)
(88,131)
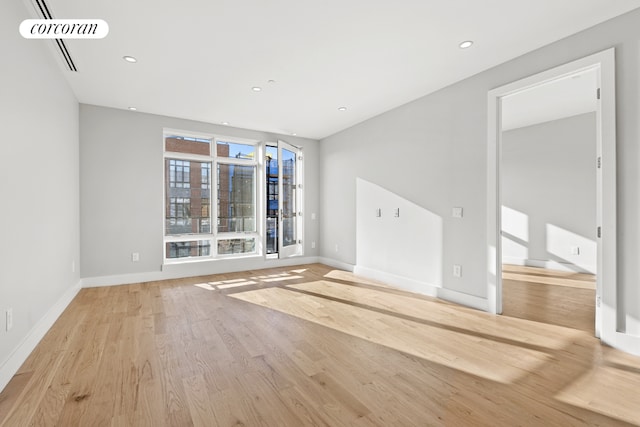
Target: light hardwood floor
(310,346)
(550,296)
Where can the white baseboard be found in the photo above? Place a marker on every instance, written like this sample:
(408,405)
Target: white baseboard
(423,288)
(551,265)
(464,299)
(10,366)
(194,269)
(401,282)
(336,264)
(627,342)
(121,279)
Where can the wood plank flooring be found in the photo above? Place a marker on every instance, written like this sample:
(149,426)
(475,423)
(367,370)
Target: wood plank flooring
(549,296)
(310,346)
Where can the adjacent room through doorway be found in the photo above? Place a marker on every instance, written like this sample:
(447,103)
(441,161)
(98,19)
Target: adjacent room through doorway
(548,192)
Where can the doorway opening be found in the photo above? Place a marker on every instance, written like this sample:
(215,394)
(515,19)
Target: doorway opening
(548,201)
(557,244)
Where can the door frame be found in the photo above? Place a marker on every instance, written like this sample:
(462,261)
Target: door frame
(296,248)
(606,284)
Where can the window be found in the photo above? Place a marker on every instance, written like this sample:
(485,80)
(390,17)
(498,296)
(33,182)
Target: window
(179,174)
(230,197)
(211,197)
(187,197)
(236,176)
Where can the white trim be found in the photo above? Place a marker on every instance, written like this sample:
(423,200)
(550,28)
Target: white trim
(336,264)
(423,288)
(188,238)
(123,279)
(626,342)
(463,299)
(197,268)
(10,366)
(401,282)
(551,265)
(297,248)
(604,63)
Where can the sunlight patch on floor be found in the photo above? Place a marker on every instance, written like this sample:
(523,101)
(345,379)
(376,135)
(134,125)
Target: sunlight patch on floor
(279,279)
(350,277)
(600,389)
(225,284)
(538,334)
(490,359)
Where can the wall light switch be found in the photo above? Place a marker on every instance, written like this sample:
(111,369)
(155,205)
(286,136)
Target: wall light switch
(378,212)
(135,257)
(575,250)
(456,212)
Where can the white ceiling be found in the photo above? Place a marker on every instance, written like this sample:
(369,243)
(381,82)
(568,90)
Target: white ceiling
(565,97)
(199,59)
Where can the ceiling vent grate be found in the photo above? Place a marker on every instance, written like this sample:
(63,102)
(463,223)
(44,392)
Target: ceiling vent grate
(45,13)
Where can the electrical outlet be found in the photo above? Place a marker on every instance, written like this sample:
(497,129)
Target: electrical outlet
(457,270)
(9,318)
(135,257)
(73,265)
(336,247)
(313,215)
(396,212)
(313,244)
(575,250)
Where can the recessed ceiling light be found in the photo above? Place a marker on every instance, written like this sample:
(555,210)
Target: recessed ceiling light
(133,109)
(130,59)
(294,134)
(225,123)
(256,88)
(466,44)
(271,81)
(342,109)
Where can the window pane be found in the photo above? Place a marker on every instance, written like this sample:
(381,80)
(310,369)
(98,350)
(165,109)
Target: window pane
(196,248)
(236,246)
(288,198)
(271,169)
(187,197)
(235,150)
(183,144)
(236,198)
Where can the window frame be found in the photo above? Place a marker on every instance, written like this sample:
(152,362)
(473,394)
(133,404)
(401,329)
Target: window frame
(214,160)
(174,155)
(257,195)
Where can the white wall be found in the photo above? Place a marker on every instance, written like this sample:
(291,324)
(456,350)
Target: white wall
(549,194)
(39,190)
(121,193)
(433,153)
(397,240)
